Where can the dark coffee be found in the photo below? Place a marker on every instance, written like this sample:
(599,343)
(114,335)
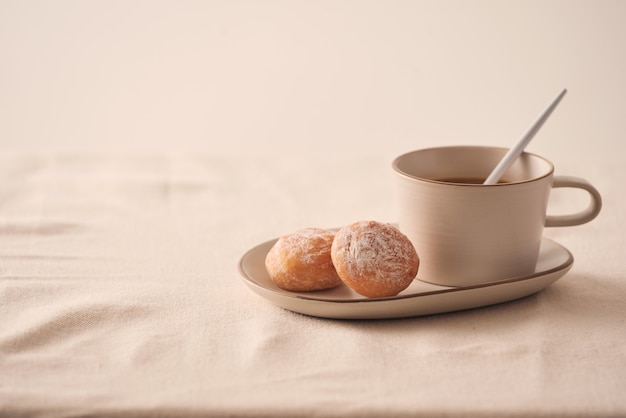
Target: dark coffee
(468,180)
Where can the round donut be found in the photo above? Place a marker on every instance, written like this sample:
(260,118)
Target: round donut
(374,259)
(301,262)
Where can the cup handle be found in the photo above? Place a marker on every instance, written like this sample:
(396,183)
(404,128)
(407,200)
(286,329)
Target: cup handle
(581,217)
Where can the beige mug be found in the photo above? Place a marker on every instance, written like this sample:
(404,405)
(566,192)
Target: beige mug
(467,233)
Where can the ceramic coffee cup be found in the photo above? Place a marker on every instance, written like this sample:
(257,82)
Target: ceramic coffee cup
(467,233)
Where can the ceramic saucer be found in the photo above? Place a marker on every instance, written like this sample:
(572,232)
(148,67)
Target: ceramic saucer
(420,298)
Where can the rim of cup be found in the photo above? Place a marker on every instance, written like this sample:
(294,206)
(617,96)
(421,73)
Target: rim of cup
(548,170)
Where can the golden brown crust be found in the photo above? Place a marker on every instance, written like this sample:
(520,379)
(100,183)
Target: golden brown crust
(301,261)
(374,259)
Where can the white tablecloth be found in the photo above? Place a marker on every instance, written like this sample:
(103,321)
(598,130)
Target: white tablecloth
(120,296)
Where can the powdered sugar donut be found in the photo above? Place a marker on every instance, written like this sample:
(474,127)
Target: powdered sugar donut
(301,261)
(374,259)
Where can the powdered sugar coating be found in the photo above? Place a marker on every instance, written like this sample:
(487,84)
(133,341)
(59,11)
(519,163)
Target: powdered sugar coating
(301,261)
(374,259)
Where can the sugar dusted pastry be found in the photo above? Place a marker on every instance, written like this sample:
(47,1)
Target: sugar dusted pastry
(374,259)
(301,261)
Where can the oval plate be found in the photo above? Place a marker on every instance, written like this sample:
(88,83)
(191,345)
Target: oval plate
(420,298)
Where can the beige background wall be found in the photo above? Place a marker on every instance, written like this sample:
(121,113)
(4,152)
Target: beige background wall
(310,77)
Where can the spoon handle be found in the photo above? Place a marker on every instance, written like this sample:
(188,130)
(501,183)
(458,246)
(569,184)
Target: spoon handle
(518,148)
